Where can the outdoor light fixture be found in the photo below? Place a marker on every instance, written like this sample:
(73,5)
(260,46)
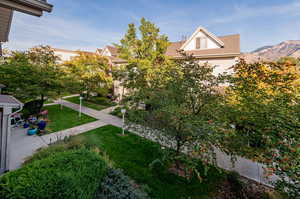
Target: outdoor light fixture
(80,105)
(7,105)
(123,111)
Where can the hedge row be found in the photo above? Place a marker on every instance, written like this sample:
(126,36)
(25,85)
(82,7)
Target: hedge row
(70,174)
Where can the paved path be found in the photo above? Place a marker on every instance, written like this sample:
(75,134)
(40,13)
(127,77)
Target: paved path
(102,115)
(23,146)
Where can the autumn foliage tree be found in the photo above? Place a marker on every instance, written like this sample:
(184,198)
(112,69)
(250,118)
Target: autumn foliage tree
(263,100)
(90,72)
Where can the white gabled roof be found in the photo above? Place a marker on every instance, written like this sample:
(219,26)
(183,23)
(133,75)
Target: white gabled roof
(201,29)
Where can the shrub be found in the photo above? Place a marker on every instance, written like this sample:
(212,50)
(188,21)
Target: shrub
(69,174)
(234,180)
(102,92)
(73,142)
(117,111)
(117,185)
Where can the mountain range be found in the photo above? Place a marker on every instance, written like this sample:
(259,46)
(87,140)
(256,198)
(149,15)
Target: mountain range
(272,53)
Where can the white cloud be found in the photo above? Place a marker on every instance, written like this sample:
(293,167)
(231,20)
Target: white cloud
(28,31)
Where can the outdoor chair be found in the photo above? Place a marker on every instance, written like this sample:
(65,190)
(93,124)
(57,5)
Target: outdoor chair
(17,120)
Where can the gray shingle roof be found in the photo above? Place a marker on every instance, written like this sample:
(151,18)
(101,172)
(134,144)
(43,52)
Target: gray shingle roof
(7,100)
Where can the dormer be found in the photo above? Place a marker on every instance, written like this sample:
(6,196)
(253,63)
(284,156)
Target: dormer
(201,39)
(106,52)
(110,51)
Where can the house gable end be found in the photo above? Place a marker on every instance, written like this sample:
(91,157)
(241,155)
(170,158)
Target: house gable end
(202,39)
(106,52)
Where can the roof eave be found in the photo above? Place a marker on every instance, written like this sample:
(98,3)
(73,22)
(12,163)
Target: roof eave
(15,104)
(32,7)
(210,55)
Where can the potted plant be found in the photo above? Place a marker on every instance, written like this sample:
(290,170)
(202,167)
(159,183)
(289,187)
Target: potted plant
(32,130)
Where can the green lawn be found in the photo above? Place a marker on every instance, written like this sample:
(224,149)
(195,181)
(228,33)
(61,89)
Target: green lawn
(94,105)
(64,118)
(133,154)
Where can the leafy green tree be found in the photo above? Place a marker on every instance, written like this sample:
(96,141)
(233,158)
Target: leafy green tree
(32,74)
(264,103)
(145,55)
(184,108)
(90,72)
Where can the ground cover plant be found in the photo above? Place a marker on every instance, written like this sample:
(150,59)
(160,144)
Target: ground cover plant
(134,170)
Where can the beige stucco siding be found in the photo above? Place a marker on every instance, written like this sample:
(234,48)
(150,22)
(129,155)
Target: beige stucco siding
(65,56)
(222,64)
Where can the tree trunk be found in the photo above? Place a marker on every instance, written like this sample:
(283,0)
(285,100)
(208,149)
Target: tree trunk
(42,101)
(178,150)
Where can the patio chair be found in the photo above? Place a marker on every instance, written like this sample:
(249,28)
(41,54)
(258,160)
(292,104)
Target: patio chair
(17,120)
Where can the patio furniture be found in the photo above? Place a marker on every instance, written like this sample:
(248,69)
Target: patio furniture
(17,120)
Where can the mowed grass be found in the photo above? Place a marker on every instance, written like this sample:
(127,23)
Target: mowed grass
(96,106)
(60,119)
(133,154)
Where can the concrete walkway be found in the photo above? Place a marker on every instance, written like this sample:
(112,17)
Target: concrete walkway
(23,146)
(102,115)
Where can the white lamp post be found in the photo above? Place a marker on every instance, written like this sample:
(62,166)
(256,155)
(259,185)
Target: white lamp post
(123,111)
(80,105)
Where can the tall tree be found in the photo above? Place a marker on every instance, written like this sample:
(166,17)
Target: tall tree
(32,74)
(264,99)
(145,55)
(89,71)
(184,107)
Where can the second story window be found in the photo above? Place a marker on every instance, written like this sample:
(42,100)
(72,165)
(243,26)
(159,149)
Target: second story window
(201,43)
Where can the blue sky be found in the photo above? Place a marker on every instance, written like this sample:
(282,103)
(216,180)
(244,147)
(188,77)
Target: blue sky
(91,24)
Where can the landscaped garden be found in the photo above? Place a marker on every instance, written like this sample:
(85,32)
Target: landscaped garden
(182,104)
(130,153)
(64,118)
(97,103)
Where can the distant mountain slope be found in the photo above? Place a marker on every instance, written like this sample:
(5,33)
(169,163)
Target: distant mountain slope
(272,53)
(261,48)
